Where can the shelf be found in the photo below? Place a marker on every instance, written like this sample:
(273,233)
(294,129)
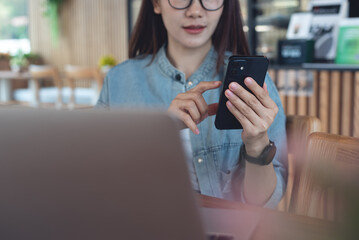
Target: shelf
(331,66)
(319,66)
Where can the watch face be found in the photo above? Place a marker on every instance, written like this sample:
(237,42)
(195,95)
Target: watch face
(271,150)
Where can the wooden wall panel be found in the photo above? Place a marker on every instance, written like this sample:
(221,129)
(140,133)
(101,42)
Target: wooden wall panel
(312,108)
(89,29)
(280,80)
(272,74)
(346,114)
(356,106)
(334,102)
(291,99)
(301,99)
(324,100)
(334,99)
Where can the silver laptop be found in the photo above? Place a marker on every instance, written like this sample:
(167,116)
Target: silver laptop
(94,175)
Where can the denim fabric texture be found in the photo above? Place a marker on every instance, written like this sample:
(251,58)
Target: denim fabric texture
(215,153)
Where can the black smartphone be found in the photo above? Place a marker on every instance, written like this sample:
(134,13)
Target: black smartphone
(239,68)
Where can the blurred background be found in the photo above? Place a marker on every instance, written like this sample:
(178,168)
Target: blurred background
(56,54)
(89,29)
(68,34)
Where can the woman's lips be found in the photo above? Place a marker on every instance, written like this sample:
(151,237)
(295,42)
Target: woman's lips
(194,29)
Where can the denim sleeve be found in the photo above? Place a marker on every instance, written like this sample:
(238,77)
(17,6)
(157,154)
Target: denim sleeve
(277,133)
(103,101)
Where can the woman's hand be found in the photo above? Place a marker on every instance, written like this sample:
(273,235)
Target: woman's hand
(191,107)
(255,113)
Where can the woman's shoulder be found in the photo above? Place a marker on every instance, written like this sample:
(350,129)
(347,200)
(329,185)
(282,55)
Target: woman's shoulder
(135,63)
(131,66)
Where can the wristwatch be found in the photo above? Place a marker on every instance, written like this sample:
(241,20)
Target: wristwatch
(265,158)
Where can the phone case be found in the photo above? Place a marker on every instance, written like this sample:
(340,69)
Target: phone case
(239,67)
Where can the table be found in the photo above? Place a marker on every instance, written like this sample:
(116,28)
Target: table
(6,78)
(5,83)
(272,224)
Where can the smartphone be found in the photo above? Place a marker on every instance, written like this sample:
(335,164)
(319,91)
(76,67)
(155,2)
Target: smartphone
(239,68)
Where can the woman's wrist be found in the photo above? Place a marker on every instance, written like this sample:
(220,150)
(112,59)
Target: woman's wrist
(256,147)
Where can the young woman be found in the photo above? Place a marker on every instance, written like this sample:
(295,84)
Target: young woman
(178,56)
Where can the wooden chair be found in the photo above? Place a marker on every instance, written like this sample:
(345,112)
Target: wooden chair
(43,72)
(329,175)
(90,75)
(298,129)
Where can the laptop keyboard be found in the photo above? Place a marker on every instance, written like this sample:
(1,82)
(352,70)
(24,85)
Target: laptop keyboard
(219,237)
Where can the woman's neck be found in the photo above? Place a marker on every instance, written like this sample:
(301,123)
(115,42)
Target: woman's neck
(187,60)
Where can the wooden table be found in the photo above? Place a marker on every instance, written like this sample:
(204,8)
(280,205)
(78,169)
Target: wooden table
(271,224)
(5,83)
(7,77)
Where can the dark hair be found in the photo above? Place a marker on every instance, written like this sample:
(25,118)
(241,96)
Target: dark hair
(150,33)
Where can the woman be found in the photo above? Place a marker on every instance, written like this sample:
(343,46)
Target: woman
(178,55)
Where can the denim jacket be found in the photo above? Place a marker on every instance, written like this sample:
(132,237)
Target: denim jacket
(142,83)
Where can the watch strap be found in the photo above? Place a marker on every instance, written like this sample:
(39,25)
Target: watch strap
(265,158)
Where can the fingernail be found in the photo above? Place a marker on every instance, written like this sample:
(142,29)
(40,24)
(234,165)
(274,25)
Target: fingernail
(229,104)
(233,86)
(248,81)
(229,93)
(196,131)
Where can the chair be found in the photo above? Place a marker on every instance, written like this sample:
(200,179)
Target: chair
(36,94)
(89,77)
(38,73)
(329,175)
(298,129)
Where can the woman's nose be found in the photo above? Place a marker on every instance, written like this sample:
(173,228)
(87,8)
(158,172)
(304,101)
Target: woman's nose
(195,10)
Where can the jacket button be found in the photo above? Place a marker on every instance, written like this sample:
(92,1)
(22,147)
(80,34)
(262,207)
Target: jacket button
(178,77)
(200,160)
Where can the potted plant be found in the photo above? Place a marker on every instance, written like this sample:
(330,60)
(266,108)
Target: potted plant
(18,62)
(4,61)
(107,62)
(34,58)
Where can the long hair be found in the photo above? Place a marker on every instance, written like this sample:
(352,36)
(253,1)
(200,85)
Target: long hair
(150,33)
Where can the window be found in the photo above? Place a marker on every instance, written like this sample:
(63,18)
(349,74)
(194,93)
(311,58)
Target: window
(14,22)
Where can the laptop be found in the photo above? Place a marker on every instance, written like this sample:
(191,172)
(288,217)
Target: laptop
(96,175)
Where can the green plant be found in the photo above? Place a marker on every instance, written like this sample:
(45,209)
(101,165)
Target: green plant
(107,61)
(33,58)
(19,60)
(52,12)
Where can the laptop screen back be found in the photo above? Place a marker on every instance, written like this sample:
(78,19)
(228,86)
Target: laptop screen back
(94,175)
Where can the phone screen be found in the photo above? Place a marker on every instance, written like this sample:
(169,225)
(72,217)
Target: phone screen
(239,68)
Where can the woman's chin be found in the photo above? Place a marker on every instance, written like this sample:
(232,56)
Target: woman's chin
(197,45)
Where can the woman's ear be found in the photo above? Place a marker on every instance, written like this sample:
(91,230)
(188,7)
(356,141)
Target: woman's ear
(156,6)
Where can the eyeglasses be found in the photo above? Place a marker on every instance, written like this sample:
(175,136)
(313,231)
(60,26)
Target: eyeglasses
(209,5)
